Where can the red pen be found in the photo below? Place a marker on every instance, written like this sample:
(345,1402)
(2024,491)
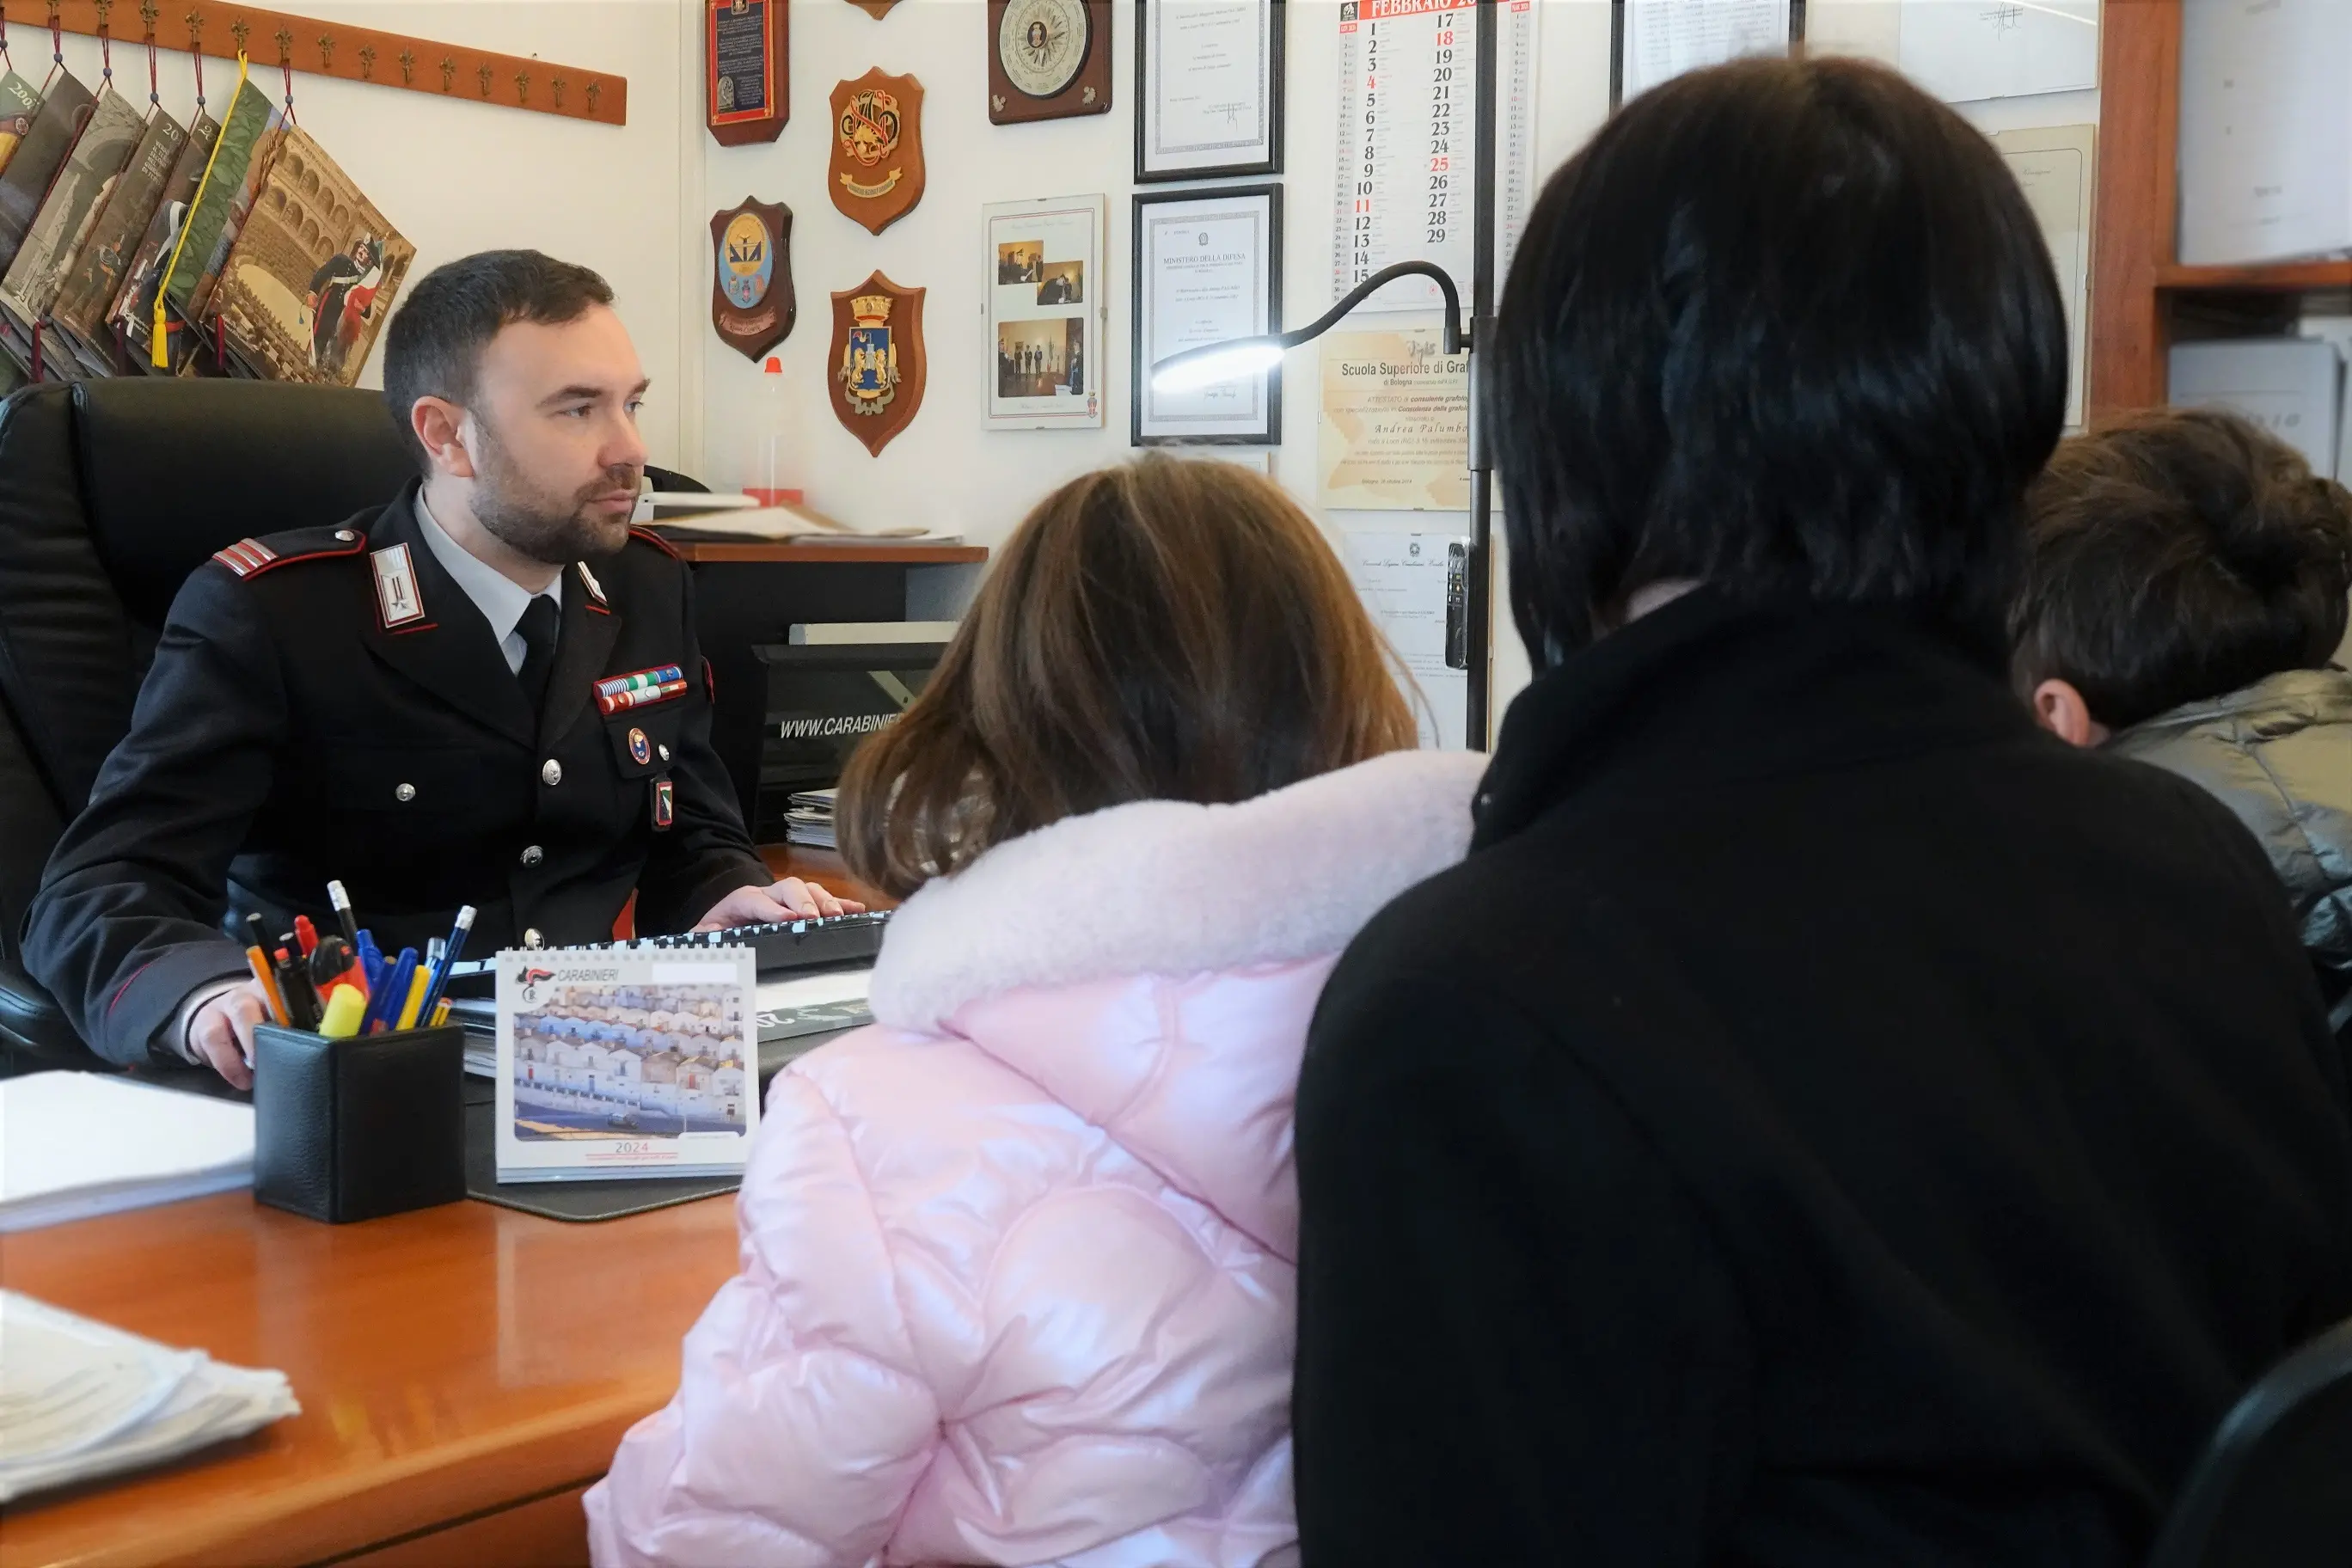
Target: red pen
(306,934)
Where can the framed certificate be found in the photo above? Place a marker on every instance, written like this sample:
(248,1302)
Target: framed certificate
(1046,312)
(1209,78)
(1208,269)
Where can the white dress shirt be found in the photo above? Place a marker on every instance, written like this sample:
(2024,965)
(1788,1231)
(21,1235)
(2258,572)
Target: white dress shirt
(500,597)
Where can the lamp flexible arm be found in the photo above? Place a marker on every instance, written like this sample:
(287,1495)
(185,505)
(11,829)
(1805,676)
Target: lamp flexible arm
(1457,340)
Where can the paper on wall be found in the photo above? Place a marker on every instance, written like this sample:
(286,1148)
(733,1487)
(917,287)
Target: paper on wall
(2053,166)
(1413,583)
(1966,51)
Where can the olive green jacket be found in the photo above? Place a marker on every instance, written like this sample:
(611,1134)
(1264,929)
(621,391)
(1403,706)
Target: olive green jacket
(2279,754)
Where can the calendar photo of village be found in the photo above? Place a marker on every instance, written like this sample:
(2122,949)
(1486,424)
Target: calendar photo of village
(629,1061)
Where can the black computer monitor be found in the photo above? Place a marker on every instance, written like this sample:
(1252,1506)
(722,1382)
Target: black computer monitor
(823,700)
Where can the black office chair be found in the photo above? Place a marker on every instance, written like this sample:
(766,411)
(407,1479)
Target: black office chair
(110,493)
(2273,1489)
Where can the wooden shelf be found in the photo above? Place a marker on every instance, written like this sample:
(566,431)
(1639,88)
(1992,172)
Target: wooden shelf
(2274,277)
(318,45)
(839,555)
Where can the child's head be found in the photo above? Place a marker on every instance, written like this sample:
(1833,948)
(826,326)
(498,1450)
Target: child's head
(2178,555)
(1164,630)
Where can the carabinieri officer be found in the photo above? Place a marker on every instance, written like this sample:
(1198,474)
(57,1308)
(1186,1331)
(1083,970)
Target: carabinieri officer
(488,692)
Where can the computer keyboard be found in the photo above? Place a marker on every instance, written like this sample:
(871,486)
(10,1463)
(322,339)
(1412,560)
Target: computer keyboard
(781,948)
(787,945)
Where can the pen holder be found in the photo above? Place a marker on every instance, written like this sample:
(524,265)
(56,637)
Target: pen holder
(361,1128)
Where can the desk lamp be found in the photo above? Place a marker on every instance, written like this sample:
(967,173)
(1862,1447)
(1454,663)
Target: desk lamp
(1236,357)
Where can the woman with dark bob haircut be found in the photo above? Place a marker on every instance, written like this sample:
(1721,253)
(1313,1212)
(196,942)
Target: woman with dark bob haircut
(1825,1119)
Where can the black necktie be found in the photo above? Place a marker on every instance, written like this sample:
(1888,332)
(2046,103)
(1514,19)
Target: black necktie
(539,623)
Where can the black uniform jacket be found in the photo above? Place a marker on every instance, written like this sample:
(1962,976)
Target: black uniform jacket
(304,720)
(1824,1121)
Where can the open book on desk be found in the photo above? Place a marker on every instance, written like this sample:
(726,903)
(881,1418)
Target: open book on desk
(788,525)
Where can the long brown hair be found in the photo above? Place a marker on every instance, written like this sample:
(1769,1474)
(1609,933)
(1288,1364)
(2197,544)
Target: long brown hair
(1164,630)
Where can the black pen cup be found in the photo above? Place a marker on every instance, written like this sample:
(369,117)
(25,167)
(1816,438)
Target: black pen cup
(357,1129)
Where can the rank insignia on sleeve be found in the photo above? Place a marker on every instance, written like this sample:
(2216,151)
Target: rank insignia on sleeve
(246,557)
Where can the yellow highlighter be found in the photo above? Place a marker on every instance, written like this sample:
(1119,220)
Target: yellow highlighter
(416,1001)
(342,1016)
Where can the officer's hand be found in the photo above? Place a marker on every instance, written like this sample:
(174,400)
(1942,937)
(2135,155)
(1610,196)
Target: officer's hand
(221,1034)
(789,900)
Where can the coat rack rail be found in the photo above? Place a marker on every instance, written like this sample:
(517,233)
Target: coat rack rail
(319,48)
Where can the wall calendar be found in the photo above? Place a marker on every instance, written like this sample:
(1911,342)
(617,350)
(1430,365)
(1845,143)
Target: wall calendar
(1407,93)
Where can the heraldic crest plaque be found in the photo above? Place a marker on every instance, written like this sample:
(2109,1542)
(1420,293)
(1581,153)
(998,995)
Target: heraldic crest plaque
(877,172)
(751,303)
(878,360)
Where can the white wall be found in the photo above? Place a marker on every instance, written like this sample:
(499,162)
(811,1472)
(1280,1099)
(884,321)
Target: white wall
(947,470)
(455,176)
(635,201)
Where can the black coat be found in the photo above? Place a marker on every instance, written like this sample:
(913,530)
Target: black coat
(287,735)
(1825,1121)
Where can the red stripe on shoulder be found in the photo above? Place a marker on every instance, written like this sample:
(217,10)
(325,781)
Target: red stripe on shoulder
(657,541)
(249,558)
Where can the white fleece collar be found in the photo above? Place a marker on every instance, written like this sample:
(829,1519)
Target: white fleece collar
(1169,888)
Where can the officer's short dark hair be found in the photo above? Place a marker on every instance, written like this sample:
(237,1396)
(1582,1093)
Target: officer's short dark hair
(1790,328)
(2178,555)
(433,347)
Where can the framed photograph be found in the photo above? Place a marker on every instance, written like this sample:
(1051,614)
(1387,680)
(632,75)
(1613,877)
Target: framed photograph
(1048,311)
(1208,78)
(1208,269)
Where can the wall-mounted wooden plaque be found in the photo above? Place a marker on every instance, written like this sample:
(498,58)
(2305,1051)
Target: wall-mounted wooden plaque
(876,176)
(877,364)
(747,74)
(751,304)
(1048,60)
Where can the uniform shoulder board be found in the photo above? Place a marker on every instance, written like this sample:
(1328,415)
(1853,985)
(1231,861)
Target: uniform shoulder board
(647,536)
(252,557)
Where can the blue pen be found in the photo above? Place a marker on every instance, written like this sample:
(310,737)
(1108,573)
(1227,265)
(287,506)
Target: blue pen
(450,952)
(386,1000)
(371,959)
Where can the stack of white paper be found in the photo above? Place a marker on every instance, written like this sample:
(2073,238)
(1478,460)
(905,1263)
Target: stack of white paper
(793,525)
(808,819)
(80,1400)
(820,1004)
(74,1145)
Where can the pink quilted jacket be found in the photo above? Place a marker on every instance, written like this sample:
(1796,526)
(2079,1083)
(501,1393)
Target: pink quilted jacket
(1018,1261)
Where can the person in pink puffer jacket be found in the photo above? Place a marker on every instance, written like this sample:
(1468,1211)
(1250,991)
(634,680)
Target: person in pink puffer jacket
(1019,1260)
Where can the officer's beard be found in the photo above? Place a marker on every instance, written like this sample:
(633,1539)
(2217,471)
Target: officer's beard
(555,529)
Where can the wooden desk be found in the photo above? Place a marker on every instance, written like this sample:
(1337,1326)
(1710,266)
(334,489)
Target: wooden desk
(823,866)
(464,1373)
